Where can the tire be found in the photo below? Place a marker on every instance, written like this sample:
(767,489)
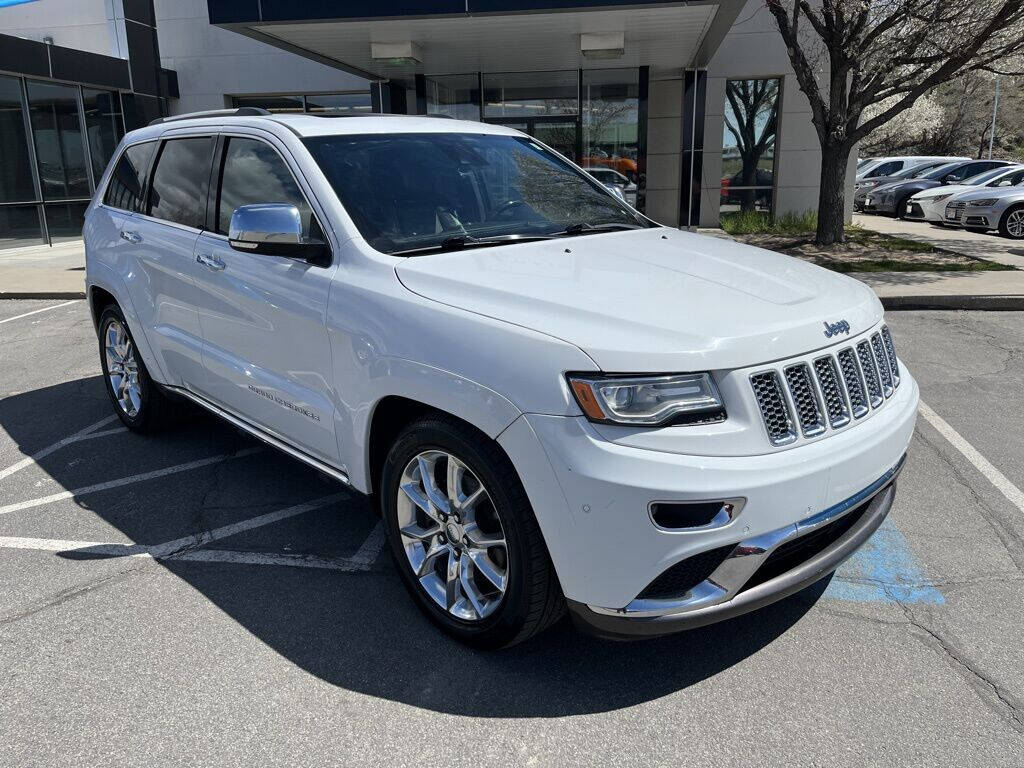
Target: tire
(1011,224)
(471,607)
(901,208)
(144,408)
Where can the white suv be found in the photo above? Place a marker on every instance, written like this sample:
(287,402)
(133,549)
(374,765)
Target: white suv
(555,402)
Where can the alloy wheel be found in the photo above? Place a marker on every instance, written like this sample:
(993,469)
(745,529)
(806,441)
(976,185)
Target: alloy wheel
(122,368)
(1015,223)
(452,535)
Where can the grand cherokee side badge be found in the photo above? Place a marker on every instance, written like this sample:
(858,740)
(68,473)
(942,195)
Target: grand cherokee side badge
(834,329)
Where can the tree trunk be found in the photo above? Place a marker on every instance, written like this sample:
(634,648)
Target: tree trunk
(831,199)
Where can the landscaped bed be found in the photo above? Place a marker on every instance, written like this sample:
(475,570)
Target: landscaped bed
(863,251)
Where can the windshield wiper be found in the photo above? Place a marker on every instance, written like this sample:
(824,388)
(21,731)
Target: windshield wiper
(458,242)
(583,228)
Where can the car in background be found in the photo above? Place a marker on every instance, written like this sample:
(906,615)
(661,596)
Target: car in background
(930,205)
(892,199)
(862,161)
(987,209)
(863,187)
(617,183)
(887,166)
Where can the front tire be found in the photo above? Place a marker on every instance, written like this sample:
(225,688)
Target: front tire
(137,400)
(464,537)
(1011,225)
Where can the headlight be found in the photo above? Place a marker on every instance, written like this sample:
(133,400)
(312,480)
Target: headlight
(645,400)
(986,201)
(940,198)
(866,184)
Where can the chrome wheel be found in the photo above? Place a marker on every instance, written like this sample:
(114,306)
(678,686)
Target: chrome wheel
(1015,223)
(122,368)
(452,535)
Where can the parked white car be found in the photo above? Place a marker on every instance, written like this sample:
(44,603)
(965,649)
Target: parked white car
(619,184)
(553,401)
(930,205)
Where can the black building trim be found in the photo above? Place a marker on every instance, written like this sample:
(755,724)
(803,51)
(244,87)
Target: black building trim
(34,59)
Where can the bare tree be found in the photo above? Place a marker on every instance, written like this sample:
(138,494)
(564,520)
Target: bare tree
(850,54)
(752,119)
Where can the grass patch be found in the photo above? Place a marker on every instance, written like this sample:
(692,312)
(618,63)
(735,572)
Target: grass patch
(762,223)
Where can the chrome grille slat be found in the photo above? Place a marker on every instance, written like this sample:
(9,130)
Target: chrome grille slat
(883,364)
(805,399)
(774,409)
(832,391)
(867,368)
(890,352)
(854,383)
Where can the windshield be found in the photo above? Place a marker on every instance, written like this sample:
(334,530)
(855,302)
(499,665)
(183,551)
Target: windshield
(992,175)
(942,171)
(417,191)
(919,171)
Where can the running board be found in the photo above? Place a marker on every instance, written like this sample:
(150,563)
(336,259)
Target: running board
(259,434)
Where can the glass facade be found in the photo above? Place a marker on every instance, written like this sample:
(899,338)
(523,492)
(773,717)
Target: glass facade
(611,120)
(456,96)
(55,142)
(748,147)
(347,103)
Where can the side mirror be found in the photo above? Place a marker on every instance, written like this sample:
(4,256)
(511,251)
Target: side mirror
(273,229)
(950,178)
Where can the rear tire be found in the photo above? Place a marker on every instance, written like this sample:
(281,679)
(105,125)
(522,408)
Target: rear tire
(138,401)
(465,540)
(1011,225)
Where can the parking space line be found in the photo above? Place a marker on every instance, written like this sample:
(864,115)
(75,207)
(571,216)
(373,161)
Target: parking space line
(1013,494)
(37,311)
(126,480)
(86,433)
(187,547)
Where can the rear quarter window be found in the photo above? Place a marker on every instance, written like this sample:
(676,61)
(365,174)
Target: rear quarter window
(128,180)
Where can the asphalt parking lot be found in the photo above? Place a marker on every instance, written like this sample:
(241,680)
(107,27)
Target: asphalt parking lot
(196,599)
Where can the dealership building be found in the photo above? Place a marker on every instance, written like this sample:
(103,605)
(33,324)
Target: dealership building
(692,105)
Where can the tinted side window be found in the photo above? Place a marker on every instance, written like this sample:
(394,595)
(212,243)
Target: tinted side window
(128,179)
(254,173)
(887,169)
(178,191)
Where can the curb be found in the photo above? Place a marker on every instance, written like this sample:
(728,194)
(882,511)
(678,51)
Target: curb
(966,302)
(42,295)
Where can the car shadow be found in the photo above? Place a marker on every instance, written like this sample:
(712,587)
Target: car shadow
(356,630)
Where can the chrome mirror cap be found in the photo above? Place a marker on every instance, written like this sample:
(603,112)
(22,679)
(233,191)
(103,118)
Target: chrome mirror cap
(253,226)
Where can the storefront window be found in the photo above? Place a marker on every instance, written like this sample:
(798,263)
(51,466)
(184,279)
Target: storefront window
(611,99)
(456,96)
(531,94)
(57,133)
(340,103)
(271,103)
(748,146)
(16,167)
(19,226)
(104,125)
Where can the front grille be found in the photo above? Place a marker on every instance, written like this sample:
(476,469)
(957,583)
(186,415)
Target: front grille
(829,392)
(680,578)
(854,383)
(867,367)
(798,377)
(774,410)
(955,211)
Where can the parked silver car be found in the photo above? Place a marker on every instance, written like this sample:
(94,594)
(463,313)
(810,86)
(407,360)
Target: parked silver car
(988,209)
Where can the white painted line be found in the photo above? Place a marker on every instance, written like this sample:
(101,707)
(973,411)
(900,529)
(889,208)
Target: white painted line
(125,481)
(983,465)
(185,547)
(82,434)
(37,311)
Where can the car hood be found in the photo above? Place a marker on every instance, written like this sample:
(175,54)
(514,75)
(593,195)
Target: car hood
(917,185)
(997,193)
(949,189)
(657,300)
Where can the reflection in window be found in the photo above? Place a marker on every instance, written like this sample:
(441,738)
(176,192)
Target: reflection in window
(16,166)
(531,94)
(254,173)
(179,181)
(58,138)
(124,190)
(19,226)
(456,96)
(65,220)
(611,100)
(748,145)
(103,125)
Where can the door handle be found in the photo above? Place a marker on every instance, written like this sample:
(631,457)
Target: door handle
(210,261)
(131,237)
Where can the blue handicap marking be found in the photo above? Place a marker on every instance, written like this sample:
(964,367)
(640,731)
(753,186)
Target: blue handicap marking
(883,570)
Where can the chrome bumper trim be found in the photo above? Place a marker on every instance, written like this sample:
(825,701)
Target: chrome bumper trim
(747,556)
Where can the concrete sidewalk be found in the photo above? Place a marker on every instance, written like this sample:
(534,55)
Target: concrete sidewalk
(43,272)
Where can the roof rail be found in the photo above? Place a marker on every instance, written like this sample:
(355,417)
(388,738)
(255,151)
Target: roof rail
(236,112)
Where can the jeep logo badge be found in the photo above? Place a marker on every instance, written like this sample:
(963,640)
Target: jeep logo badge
(834,329)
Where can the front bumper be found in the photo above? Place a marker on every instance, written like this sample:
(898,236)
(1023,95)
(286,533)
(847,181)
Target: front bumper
(726,594)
